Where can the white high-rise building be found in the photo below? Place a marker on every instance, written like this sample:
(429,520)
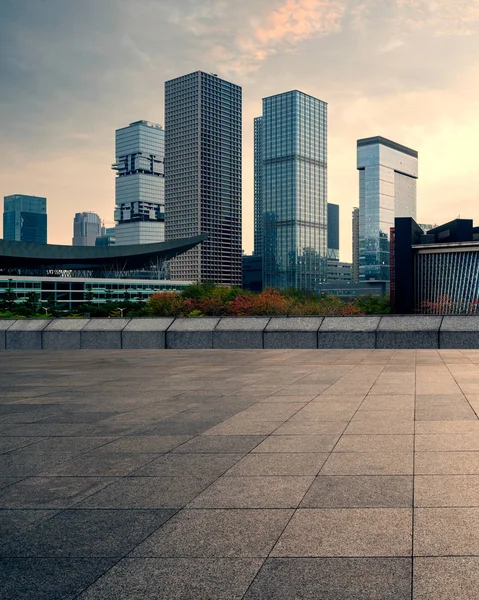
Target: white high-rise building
(140,184)
(388,175)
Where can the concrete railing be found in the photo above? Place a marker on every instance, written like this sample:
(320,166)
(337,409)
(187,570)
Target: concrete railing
(241,333)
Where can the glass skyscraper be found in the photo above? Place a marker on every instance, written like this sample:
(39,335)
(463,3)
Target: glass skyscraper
(203,176)
(387,189)
(258,186)
(25,218)
(333,231)
(86,228)
(140,183)
(291,173)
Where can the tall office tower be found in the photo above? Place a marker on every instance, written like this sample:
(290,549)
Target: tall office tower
(258,186)
(387,189)
(355,219)
(293,193)
(140,183)
(86,228)
(333,231)
(25,218)
(203,176)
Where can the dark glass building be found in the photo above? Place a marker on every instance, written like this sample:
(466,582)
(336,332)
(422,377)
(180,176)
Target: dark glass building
(333,231)
(203,175)
(436,272)
(25,219)
(252,273)
(291,190)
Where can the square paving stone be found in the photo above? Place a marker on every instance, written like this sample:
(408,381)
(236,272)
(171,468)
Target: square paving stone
(13,521)
(375,443)
(220,444)
(189,465)
(7,444)
(446,531)
(148,492)
(447,463)
(447,442)
(51,492)
(254,492)
(358,492)
(101,464)
(347,532)
(241,426)
(379,428)
(175,579)
(86,533)
(47,578)
(317,428)
(25,463)
(383,416)
(332,579)
(444,578)
(222,533)
(446,490)
(364,463)
(156,444)
(297,443)
(6,481)
(278,464)
(448,427)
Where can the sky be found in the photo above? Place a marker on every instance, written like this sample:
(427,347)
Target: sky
(73,71)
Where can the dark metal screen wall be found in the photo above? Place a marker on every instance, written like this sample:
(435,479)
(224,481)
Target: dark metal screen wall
(447,283)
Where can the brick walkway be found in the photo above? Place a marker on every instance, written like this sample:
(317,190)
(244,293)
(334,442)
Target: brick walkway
(280,475)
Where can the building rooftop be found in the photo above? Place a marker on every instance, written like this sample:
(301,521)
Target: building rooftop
(388,143)
(249,475)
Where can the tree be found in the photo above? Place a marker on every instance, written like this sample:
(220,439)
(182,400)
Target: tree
(31,302)
(7,299)
(89,295)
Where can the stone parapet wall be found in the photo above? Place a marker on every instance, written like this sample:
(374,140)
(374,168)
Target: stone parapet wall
(388,332)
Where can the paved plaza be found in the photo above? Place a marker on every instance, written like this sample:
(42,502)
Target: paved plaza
(254,474)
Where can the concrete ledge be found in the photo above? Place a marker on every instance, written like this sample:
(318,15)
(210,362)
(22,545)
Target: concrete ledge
(408,331)
(292,332)
(387,332)
(459,332)
(25,334)
(5,324)
(63,334)
(239,332)
(193,333)
(146,333)
(102,334)
(348,332)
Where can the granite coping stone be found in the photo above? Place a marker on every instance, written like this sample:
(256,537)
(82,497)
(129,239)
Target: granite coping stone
(242,324)
(361,324)
(194,324)
(29,325)
(410,323)
(66,325)
(5,324)
(106,324)
(158,324)
(301,324)
(460,323)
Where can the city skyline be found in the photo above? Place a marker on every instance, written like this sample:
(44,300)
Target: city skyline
(402,71)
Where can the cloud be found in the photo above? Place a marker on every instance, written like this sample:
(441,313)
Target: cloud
(391,45)
(442,17)
(280,29)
